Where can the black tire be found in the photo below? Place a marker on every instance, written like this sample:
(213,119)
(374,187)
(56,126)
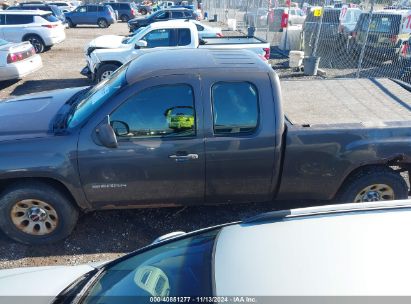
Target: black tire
(124,18)
(143,11)
(104,70)
(70,23)
(102,23)
(370,177)
(67,213)
(36,42)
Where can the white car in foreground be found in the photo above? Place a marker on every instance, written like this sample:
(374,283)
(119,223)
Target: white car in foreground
(359,249)
(17,60)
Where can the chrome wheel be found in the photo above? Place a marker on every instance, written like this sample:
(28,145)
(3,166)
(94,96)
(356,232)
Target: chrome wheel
(102,23)
(34,217)
(374,193)
(37,44)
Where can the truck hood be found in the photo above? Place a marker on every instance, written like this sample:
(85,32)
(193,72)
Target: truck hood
(41,283)
(107,41)
(30,115)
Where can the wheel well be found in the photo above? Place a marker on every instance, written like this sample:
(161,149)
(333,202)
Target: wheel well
(4,184)
(367,168)
(28,35)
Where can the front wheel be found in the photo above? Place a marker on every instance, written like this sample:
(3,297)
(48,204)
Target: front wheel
(36,213)
(102,23)
(105,71)
(374,184)
(124,18)
(71,24)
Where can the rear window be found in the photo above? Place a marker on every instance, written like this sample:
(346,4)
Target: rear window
(382,24)
(49,18)
(18,19)
(330,16)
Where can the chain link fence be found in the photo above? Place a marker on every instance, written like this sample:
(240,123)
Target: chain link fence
(350,39)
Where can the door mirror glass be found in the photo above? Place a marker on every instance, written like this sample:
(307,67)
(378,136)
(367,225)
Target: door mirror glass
(105,133)
(141,44)
(120,128)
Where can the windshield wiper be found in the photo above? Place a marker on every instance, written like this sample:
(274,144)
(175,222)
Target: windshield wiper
(60,122)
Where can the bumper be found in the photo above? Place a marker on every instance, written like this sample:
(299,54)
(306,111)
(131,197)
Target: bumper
(50,41)
(22,68)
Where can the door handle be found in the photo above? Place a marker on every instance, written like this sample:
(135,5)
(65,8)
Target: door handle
(183,157)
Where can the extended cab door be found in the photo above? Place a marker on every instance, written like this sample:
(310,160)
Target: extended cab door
(160,155)
(240,135)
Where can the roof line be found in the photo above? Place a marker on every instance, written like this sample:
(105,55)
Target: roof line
(275,216)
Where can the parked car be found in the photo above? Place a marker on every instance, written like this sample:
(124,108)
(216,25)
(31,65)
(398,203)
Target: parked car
(294,15)
(337,24)
(144,9)
(142,136)
(40,28)
(256,17)
(64,6)
(17,60)
(126,10)
(55,10)
(338,250)
(161,15)
(101,15)
(103,61)
(385,37)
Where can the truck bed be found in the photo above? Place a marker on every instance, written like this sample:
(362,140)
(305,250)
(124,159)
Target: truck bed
(341,101)
(232,40)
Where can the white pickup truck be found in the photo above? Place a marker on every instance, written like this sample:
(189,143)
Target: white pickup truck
(106,53)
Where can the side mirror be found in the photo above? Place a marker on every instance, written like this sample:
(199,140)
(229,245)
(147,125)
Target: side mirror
(141,44)
(120,128)
(105,133)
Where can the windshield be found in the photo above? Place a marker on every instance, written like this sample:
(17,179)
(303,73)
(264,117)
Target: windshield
(98,95)
(132,39)
(179,268)
(388,24)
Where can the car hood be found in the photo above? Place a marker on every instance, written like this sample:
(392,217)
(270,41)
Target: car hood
(31,115)
(41,283)
(107,41)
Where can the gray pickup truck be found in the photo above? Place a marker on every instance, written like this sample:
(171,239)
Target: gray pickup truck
(191,127)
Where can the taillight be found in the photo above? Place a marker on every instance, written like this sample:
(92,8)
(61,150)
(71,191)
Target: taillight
(219,35)
(18,56)
(12,58)
(133,12)
(394,38)
(267,53)
(404,49)
(50,25)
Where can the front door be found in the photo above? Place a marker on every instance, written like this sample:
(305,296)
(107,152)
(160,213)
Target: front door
(160,155)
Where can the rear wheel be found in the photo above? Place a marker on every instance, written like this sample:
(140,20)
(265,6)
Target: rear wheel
(143,11)
(102,23)
(374,184)
(36,213)
(36,42)
(124,18)
(105,71)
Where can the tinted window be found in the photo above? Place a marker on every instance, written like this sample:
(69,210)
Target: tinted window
(49,18)
(158,38)
(199,27)
(2,20)
(235,107)
(178,15)
(81,9)
(19,19)
(188,14)
(184,37)
(124,6)
(382,24)
(159,111)
(163,15)
(92,9)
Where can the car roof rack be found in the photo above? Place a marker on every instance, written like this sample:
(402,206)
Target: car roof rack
(327,209)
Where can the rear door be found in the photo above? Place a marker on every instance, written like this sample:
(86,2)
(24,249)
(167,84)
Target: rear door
(161,38)
(240,138)
(92,14)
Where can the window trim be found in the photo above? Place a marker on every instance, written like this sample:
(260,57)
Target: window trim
(239,134)
(130,138)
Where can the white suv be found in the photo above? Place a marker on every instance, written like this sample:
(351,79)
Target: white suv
(41,28)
